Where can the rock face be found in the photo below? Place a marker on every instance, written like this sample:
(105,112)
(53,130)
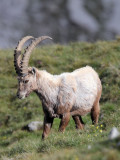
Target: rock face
(34,126)
(65,21)
(114,133)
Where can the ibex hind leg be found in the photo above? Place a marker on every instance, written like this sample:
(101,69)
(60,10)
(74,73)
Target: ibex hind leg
(78,122)
(95,113)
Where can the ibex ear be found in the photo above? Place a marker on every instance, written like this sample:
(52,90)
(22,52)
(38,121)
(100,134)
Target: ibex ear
(33,71)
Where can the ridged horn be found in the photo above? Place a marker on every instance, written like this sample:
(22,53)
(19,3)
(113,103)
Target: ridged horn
(27,53)
(17,53)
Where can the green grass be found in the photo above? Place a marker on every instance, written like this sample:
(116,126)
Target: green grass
(91,143)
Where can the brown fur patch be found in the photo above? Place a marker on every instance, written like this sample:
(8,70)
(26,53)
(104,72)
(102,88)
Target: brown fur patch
(80,112)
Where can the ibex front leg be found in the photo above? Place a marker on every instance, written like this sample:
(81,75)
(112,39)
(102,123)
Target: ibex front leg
(64,121)
(48,121)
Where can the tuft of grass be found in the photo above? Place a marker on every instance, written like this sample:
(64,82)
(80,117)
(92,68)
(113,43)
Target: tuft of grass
(89,144)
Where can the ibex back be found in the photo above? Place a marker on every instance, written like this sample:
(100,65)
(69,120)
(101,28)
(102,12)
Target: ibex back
(68,94)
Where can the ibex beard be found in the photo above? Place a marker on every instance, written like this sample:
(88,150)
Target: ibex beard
(68,94)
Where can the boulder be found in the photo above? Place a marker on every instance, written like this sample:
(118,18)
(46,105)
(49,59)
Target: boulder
(33,126)
(114,133)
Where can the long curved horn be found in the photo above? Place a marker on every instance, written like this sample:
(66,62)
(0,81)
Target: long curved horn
(17,53)
(27,53)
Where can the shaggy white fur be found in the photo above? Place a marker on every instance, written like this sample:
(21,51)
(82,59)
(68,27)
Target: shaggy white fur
(78,89)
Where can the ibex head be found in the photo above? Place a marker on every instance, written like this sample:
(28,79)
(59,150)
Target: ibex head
(26,75)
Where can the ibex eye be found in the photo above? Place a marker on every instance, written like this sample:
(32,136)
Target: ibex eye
(26,81)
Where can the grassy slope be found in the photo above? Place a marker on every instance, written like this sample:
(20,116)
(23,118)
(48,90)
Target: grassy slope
(89,144)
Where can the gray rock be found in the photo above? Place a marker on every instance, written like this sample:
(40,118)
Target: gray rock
(33,126)
(89,147)
(114,133)
(65,21)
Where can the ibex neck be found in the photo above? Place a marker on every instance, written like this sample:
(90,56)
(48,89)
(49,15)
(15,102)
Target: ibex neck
(47,86)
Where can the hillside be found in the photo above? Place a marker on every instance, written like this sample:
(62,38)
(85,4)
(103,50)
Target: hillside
(91,143)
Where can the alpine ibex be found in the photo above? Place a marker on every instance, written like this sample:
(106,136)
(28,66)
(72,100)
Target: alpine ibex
(68,94)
